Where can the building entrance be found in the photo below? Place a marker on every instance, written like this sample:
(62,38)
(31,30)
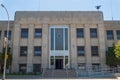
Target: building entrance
(59,64)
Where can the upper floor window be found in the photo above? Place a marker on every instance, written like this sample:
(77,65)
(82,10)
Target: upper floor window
(24,33)
(23,51)
(110,35)
(38,33)
(93,32)
(80,32)
(80,51)
(94,51)
(9,35)
(37,51)
(118,34)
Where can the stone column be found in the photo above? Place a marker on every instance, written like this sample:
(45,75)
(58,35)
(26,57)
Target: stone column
(45,46)
(30,48)
(101,35)
(87,45)
(73,52)
(15,54)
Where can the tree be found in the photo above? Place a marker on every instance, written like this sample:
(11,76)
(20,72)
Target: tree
(9,59)
(117,50)
(111,59)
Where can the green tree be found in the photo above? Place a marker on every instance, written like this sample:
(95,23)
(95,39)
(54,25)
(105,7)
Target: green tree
(111,59)
(9,59)
(117,50)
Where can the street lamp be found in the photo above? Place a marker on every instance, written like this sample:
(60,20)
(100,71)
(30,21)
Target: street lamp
(6,49)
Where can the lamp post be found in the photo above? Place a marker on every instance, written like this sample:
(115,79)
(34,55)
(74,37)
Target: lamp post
(6,47)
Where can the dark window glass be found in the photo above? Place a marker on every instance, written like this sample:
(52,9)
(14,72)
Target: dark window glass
(24,33)
(0,34)
(58,39)
(38,33)
(81,66)
(93,32)
(22,68)
(118,34)
(37,68)
(80,51)
(23,51)
(37,51)
(66,39)
(9,35)
(80,33)
(94,51)
(110,35)
(52,39)
(96,67)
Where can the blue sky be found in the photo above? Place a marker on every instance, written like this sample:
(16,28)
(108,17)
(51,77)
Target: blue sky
(109,7)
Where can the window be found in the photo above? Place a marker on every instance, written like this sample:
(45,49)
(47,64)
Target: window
(96,67)
(37,68)
(93,32)
(37,51)
(38,33)
(118,34)
(0,34)
(94,51)
(9,35)
(81,66)
(80,33)
(80,51)
(110,35)
(24,33)
(23,51)
(22,68)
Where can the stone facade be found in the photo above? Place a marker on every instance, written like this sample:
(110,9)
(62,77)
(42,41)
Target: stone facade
(46,20)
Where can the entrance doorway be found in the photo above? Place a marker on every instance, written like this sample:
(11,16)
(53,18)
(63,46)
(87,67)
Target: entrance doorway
(59,64)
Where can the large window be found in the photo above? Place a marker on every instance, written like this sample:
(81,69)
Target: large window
(22,68)
(24,33)
(118,34)
(80,51)
(9,35)
(23,51)
(37,68)
(59,38)
(80,32)
(38,33)
(94,51)
(93,32)
(110,35)
(37,51)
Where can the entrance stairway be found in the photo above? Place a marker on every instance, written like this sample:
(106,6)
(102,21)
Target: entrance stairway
(51,73)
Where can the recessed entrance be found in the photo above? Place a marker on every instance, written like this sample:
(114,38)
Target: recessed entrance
(59,64)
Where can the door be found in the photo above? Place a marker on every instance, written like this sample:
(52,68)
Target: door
(59,64)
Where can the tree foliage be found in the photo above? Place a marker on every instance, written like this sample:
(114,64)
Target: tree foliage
(111,59)
(117,50)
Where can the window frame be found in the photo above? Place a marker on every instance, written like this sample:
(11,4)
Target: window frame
(80,32)
(22,48)
(118,34)
(24,32)
(38,31)
(94,50)
(39,48)
(93,33)
(110,36)
(80,49)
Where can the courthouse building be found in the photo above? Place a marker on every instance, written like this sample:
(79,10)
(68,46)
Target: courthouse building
(59,39)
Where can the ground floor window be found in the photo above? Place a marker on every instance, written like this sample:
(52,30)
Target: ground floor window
(96,67)
(36,67)
(22,68)
(81,66)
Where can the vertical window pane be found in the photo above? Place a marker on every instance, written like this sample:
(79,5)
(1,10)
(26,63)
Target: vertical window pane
(94,51)
(52,39)
(37,51)
(80,33)
(23,51)
(80,51)
(9,35)
(59,39)
(118,34)
(24,33)
(66,39)
(110,35)
(93,33)
(38,33)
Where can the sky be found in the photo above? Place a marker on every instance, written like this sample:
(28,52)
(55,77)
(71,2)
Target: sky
(110,8)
